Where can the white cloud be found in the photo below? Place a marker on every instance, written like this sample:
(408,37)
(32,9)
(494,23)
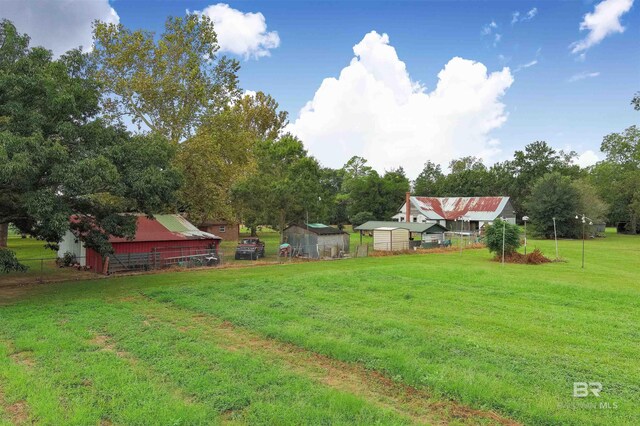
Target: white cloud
(518,17)
(586,159)
(582,76)
(527,65)
(496,39)
(604,21)
(487,29)
(374,109)
(531,14)
(240,33)
(58,25)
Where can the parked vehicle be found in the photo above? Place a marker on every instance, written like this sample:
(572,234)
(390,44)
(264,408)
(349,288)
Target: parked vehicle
(250,248)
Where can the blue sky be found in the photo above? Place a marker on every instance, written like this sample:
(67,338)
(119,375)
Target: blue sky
(545,101)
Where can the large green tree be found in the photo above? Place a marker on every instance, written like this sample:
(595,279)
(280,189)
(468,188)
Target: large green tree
(170,83)
(220,154)
(285,188)
(365,190)
(618,177)
(554,196)
(224,150)
(58,159)
(429,180)
(518,176)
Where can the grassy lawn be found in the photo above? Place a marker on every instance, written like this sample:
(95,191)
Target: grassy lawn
(435,338)
(40,261)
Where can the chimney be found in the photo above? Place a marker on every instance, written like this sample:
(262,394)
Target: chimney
(407,207)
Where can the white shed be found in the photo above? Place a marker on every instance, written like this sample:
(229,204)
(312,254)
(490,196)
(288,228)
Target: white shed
(388,238)
(71,244)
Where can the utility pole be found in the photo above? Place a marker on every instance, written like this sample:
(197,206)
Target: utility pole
(504,230)
(555,236)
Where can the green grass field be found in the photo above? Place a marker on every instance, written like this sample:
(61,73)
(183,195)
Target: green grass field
(434,338)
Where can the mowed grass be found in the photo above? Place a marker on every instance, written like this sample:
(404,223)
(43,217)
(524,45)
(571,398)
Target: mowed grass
(163,348)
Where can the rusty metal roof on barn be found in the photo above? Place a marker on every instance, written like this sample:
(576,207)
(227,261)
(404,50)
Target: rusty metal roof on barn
(165,227)
(453,208)
(427,227)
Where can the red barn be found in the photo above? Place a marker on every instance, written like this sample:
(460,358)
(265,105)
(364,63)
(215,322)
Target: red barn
(166,240)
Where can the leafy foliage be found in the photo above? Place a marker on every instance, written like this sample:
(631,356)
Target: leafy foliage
(57,159)
(171,83)
(212,161)
(9,263)
(366,191)
(427,182)
(554,196)
(284,188)
(493,237)
(362,217)
(617,179)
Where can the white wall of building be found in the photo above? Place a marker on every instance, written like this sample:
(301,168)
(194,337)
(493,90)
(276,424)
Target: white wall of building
(70,244)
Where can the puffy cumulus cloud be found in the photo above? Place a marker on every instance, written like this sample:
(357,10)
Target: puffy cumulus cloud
(58,25)
(587,158)
(243,34)
(604,21)
(374,109)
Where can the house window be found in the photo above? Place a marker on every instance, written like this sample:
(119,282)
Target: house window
(415,218)
(222,229)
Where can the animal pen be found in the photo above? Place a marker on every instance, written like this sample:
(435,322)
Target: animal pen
(161,242)
(316,241)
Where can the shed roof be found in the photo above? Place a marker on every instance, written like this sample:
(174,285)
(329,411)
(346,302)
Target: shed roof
(319,229)
(165,227)
(453,208)
(388,228)
(432,226)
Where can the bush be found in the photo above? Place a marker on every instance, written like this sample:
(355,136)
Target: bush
(493,237)
(67,259)
(9,263)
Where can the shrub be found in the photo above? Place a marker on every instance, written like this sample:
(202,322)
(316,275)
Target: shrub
(493,237)
(67,259)
(9,263)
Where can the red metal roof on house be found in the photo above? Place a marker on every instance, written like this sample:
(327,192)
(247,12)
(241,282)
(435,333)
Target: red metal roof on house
(452,208)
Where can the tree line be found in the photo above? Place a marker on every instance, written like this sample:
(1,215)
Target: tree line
(206,150)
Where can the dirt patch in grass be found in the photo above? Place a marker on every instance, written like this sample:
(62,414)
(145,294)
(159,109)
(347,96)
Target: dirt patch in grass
(106,344)
(18,412)
(24,358)
(416,404)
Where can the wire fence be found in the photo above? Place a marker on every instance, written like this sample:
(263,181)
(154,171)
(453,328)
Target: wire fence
(70,267)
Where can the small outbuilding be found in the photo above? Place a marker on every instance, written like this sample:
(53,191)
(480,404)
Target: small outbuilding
(430,232)
(316,240)
(165,240)
(387,238)
(228,231)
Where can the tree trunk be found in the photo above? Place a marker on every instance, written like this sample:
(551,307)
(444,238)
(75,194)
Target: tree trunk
(254,231)
(4,234)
